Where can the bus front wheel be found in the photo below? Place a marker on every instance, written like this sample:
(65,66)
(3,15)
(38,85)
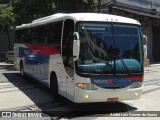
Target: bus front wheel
(54,87)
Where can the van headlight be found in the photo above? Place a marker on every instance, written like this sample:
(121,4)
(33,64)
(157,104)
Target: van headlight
(136,85)
(87,86)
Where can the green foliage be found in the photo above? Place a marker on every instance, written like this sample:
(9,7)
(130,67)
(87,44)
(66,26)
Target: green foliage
(7,18)
(27,10)
(73,6)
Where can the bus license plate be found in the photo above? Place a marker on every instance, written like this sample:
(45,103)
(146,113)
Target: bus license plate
(112,99)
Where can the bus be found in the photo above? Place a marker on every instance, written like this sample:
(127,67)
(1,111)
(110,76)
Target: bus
(84,57)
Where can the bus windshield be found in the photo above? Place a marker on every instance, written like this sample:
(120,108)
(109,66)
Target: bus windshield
(109,48)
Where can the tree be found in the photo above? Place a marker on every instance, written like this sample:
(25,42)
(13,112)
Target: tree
(7,19)
(76,5)
(27,10)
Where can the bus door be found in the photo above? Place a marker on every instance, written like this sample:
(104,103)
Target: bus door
(67,55)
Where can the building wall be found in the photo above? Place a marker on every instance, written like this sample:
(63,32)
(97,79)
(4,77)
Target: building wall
(4,44)
(147,30)
(156,43)
(148,4)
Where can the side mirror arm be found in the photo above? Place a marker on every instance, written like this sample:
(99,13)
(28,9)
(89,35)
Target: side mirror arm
(76,35)
(76,46)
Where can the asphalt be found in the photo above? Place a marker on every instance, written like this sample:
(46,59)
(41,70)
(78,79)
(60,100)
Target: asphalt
(14,95)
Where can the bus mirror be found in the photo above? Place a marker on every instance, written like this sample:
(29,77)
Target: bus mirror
(145,40)
(76,48)
(145,46)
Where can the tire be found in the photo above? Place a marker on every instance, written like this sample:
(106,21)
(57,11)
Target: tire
(22,70)
(54,87)
(7,60)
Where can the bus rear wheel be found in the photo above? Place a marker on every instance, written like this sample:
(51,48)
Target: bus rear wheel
(7,60)
(54,87)
(22,70)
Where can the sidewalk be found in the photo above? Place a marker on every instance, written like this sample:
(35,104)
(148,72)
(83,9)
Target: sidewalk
(153,68)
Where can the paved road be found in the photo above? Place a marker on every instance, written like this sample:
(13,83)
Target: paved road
(18,94)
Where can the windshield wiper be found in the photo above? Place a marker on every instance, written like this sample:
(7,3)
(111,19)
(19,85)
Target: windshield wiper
(124,64)
(108,64)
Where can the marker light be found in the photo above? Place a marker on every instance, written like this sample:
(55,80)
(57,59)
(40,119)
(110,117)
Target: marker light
(86,96)
(136,94)
(87,86)
(81,85)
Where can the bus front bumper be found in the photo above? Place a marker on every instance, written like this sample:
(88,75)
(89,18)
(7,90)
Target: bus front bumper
(106,95)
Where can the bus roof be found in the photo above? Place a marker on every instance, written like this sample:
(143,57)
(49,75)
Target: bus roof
(80,17)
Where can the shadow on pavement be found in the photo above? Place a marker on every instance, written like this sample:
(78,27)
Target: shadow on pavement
(7,67)
(63,108)
(73,110)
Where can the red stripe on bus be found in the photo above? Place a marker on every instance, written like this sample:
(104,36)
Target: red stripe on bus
(135,78)
(43,49)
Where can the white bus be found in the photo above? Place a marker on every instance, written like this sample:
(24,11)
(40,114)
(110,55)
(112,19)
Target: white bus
(85,57)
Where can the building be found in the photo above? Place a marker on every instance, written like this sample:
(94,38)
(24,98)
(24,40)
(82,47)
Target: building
(147,12)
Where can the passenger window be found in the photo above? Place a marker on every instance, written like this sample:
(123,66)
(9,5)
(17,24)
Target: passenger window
(35,35)
(23,36)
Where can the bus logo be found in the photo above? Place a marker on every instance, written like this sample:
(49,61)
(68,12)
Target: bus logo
(103,81)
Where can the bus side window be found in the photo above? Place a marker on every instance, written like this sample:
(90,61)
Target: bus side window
(23,36)
(27,36)
(43,34)
(54,37)
(17,36)
(35,35)
(51,34)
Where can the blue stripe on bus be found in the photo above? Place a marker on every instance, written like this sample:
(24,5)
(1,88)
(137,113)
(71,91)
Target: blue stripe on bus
(36,65)
(33,57)
(113,82)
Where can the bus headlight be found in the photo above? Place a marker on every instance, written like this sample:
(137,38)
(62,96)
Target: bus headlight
(136,85)
(87,86)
